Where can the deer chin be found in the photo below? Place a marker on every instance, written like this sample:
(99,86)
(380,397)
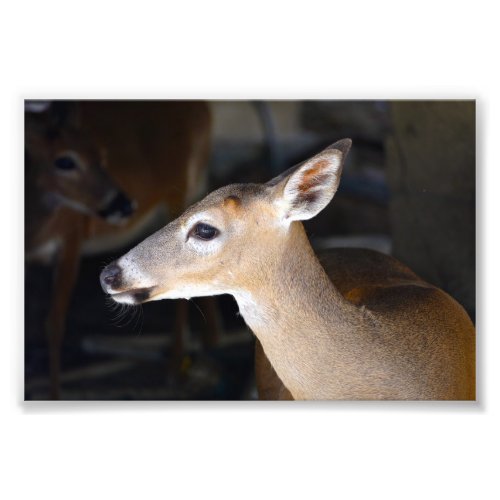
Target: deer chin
(134,296)
(138,296)
(187,291)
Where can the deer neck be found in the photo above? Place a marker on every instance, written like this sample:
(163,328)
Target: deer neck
(297,314)
(43,221)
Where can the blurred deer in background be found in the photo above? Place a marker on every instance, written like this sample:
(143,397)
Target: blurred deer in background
(370,329)
(156,151)
(65,184)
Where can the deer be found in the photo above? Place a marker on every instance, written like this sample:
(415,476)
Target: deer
(360,326)
(155,151)
(65,185)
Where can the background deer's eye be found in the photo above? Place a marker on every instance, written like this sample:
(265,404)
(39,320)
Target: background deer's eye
(65,163)
(204,231)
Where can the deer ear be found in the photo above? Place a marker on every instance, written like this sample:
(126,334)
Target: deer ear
(303,191)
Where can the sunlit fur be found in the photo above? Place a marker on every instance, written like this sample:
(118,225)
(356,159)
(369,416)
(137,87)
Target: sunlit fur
(392,336)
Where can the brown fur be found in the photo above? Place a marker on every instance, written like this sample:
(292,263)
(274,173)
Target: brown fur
(157,151)
(232,202)
(386,287)
(373,330)
(313,176)
(151,147)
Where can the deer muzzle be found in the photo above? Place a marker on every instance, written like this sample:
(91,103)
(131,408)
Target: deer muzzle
(112,283)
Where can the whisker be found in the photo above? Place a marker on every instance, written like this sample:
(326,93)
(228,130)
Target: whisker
(139,315)
(105,262)
(123,315)
(198,307)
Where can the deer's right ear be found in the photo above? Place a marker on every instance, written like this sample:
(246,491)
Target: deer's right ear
(303,191)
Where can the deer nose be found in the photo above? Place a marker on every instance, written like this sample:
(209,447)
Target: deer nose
(125,205)
(120,207)
(110,277)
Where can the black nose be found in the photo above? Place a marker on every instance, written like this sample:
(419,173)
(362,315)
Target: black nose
(120,206)
(111,277)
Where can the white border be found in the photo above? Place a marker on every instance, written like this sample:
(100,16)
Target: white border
(227,50)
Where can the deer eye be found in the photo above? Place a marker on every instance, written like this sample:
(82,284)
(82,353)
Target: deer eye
(204,232)
(65,163)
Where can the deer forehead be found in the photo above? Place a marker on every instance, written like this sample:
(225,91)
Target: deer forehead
(234,203)
(87,150)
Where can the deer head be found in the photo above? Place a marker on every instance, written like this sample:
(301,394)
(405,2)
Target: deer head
(66,167)
(224,243)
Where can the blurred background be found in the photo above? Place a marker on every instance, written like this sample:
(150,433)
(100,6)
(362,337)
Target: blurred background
(102,175)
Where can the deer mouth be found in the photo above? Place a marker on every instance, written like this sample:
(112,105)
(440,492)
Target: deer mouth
(133,297)
(119,290)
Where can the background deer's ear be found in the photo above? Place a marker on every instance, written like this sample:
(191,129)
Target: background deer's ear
(303,191)
(45,120)
(64,115)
